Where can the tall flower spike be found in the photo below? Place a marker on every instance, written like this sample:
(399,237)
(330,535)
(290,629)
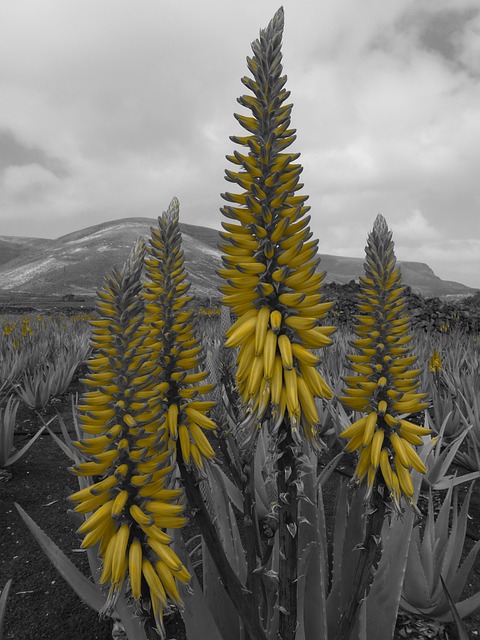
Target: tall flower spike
(177,350)
(272,284)
(385,383)
(130,505)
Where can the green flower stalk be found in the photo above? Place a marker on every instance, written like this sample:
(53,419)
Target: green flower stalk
(385,384)
(177,350)
(272,284)
(130,502)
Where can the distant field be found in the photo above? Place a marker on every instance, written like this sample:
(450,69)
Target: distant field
(45,305)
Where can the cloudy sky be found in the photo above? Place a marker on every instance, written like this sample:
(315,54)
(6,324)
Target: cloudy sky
(109,108)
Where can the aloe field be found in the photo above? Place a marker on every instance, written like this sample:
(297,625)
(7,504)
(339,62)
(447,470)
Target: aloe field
(261,467)
(41,483)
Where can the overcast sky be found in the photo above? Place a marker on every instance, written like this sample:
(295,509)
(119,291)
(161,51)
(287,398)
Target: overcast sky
(108,108)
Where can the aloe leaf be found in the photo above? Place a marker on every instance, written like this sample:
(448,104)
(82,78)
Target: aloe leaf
(18,454)
(227,524)
(3,605)
(445,459)
(457,538)
(224,613)
(360,629)
(65,448)
(88,591)
(469,606)
(453,481)
(339,529)
(444,540)
(458,581)
(347,554)
(234,492)
(384,597)
(415,587)
(314,602)
(462,631)
(262,501)
(66,436)
(428,544)
(197,616)
(327,471)
(313,565)
(236,497)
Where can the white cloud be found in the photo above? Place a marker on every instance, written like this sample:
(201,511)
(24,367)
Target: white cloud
(24,182)
(136,100)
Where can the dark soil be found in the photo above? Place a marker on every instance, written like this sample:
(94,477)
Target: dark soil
(41,604)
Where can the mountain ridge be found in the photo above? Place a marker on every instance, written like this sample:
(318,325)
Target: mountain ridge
(75,263)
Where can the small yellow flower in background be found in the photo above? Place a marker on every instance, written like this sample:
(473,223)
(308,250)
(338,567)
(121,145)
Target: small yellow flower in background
(177,350)
(132,503)
(384,386)
(270,260)
(435,362)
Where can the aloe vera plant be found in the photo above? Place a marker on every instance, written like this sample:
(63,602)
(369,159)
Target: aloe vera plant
(146,427)
(436,554)
(7,430)
(440,459)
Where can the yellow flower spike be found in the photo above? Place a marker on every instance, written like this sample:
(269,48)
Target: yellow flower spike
(268,235)
(385,384)
(172,321)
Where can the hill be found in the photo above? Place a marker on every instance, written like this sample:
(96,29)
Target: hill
(75,264)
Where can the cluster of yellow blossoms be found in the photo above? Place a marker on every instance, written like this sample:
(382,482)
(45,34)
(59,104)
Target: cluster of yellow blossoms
(384,386)
(272,284)
(141,403)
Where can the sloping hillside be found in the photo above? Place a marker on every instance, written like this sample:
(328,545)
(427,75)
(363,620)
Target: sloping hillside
(75,263)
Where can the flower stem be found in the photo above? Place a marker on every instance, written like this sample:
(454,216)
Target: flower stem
(240,598)
(288,540)
(366,561)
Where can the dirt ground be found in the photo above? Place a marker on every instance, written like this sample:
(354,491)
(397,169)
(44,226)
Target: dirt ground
(41,604)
